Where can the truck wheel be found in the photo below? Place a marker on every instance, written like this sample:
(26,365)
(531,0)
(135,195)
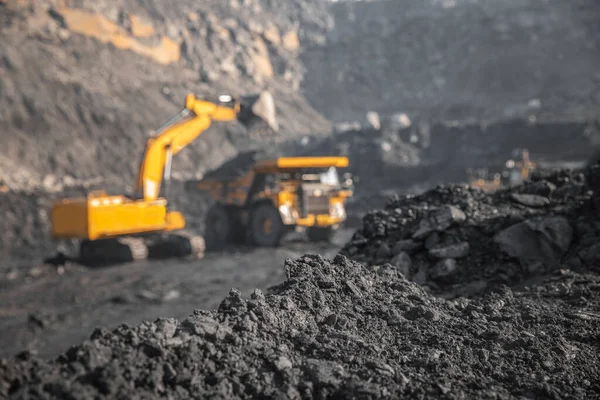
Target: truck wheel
(266,226)
(237,230)
(218,228)
(319,234)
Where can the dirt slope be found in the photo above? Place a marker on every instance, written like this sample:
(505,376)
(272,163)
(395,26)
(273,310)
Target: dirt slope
(82,84)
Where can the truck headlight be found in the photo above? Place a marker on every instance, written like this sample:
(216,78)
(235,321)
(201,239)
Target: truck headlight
(337,210)
(286,214)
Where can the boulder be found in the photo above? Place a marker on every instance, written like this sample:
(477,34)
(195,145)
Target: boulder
(530,200)
(457,250)
(402,262)
(540,188)
(439,220)
(407,245)
(444,270)
(384,251)
(537,240)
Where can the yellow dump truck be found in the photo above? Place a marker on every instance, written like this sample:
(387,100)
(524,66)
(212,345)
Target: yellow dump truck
(275,197)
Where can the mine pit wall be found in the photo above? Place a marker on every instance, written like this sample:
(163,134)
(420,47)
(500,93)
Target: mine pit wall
(477,59)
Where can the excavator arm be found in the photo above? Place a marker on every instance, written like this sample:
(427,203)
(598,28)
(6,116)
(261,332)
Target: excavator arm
(181,130)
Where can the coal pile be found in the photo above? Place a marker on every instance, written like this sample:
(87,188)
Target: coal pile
(344,329)
(336,329)
(458,240)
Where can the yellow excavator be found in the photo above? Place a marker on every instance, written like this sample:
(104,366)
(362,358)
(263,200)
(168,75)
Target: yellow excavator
(119,228)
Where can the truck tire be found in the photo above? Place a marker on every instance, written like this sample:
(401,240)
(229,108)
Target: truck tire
(266,226)
(319,234)
(218,227)
(238,230)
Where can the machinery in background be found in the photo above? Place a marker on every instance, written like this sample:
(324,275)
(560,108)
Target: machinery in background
(517,170)
(118,228)
(480,178)
(275,197)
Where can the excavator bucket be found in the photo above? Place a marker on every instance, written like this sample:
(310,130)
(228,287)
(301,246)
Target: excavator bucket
(258,110)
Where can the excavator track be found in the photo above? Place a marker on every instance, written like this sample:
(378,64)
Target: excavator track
(113,250)
(177,245)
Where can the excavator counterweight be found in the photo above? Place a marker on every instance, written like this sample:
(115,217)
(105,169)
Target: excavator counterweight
(125,228)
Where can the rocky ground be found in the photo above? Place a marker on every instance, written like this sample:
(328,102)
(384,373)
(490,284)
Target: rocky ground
(525,258)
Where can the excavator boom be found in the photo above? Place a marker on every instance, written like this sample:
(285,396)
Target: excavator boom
(186,126)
